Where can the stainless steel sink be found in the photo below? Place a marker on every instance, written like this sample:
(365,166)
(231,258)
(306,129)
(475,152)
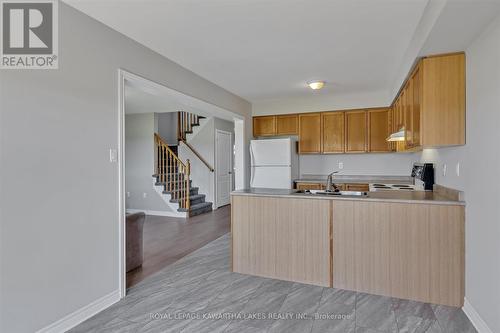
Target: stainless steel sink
(338,193)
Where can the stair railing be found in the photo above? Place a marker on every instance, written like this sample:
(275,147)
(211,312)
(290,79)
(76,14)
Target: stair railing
(195,152)
(172,172)
(185,123)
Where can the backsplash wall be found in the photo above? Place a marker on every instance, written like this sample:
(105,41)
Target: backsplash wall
(391,164)
(456,167)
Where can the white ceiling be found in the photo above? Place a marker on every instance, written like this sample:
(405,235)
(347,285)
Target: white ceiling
(139,101)
(143,96)
(268,50)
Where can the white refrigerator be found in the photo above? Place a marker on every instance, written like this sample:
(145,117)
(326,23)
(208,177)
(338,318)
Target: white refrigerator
(274,163)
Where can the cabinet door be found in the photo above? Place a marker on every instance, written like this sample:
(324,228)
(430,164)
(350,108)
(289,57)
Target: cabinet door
(409,114)
(356,134)
(391,126)
(282,238)
(310,186)
(400,145)
(443,100)
(287,125)
(357,187)
(417,88)
(333,132)
(378,130)
(264,126)
(310,133)
(410,251)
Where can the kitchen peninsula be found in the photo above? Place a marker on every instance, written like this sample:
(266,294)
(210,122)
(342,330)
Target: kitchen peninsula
(401,244)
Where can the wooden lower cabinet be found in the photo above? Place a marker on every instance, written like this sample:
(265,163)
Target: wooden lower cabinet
(357,187)
(282,238)
(410,251)
(340,186)
(310,186)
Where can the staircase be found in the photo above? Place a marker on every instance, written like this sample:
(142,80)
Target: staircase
(173,175)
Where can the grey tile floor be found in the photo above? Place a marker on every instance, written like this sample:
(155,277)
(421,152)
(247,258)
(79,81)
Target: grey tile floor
(199,294)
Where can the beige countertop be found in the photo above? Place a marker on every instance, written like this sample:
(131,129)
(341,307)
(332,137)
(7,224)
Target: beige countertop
(422,197)
(355,179)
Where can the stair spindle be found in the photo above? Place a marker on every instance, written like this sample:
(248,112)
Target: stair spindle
(188,186)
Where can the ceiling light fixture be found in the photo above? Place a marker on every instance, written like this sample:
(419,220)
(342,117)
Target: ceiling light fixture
(316,85)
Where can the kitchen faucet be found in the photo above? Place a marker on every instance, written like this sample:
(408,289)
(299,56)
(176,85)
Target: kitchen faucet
(330,186)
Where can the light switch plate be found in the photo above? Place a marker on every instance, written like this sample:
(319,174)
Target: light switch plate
(113,155)
(444,170)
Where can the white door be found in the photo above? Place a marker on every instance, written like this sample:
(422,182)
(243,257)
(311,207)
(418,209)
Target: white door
(223,167)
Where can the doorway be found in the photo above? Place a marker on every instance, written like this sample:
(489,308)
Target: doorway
(223,167)
(221,218)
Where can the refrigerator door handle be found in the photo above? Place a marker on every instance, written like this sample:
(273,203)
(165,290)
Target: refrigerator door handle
(252,174)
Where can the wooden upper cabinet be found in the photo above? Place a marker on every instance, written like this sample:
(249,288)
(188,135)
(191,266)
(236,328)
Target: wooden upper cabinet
(431,106)
(287,125)
(443,100)
(356,131)
(310,133)
(416,105)
(409,114)
(378,130)
(333,132)
(264,126)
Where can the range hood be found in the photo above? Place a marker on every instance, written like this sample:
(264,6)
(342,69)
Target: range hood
(397,136)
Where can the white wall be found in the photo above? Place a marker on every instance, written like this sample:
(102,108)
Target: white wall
(167,126)
(480,163)
(139,163)
(325,101)
(204,143)
(447,157)
(391,164)
(59,193)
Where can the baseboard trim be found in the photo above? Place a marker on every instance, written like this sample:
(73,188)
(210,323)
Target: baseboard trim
(475,318)
(82,314)
(158,213)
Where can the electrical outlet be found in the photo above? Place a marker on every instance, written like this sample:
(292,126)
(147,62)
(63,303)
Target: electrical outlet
(444,170)
(341,165)
(144,195)
(458,169)
(128,194)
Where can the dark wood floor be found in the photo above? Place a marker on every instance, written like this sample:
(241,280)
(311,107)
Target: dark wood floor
(167,239)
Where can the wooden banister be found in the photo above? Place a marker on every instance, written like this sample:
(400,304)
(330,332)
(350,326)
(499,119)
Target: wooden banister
(185,123)
(171,171)
(198,155)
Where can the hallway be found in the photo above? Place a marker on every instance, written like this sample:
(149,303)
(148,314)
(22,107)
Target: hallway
(168,239)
